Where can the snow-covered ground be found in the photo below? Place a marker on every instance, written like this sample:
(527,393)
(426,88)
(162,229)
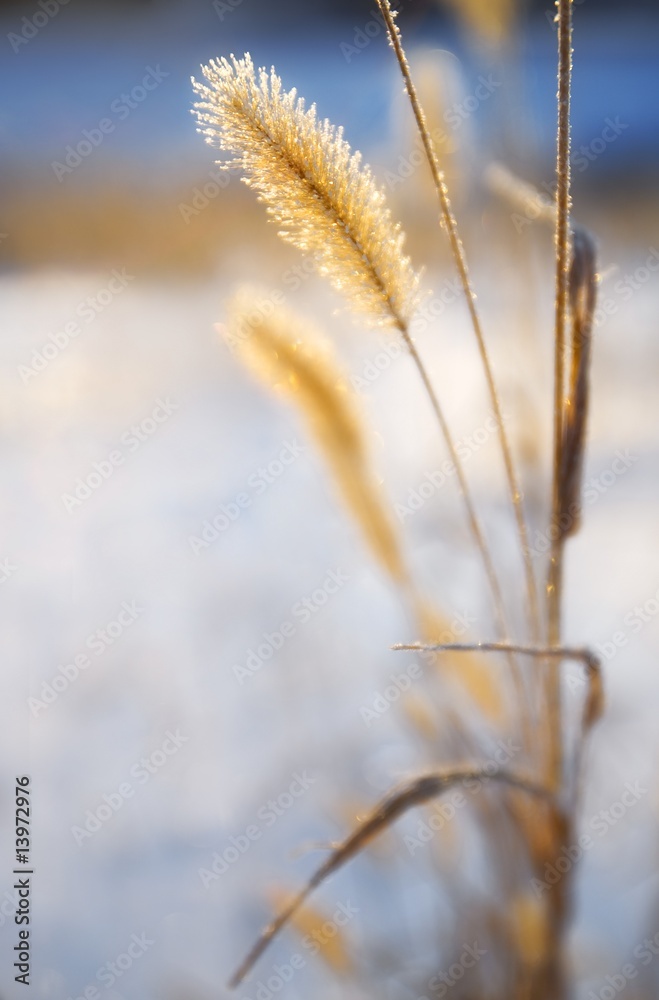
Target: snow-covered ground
(151,412)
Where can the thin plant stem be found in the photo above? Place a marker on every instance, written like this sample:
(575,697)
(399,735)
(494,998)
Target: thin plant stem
(555,573)
(477,533)
(460,259)
(472,516)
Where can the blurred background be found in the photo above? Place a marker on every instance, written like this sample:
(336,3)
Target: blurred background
(143,602)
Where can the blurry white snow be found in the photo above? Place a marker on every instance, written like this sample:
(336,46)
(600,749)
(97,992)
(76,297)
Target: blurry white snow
(172,668)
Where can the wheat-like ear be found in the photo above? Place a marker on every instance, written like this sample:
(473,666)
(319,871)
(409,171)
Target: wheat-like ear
(321,194)
(291,355)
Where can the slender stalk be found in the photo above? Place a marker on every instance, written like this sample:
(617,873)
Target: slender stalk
(472,517)
(460,259)
(594,704)
(477,533)
(555,574)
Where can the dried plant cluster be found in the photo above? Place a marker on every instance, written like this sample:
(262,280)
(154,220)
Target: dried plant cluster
(327,203)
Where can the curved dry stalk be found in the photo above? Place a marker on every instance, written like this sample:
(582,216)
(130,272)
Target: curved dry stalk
(594,704)
(460,259)
(582,288)
(415,792)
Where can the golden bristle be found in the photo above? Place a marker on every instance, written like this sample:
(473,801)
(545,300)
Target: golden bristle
(326,201)
(289,354)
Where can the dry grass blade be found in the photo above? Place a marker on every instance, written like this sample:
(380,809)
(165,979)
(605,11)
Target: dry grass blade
(321,194)
(594,705)
(582,294)
(290,354)
(413,793)
(459,256)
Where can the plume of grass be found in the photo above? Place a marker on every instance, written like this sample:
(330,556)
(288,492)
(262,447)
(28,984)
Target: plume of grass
(288,353)
(331,207)
(316,189)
